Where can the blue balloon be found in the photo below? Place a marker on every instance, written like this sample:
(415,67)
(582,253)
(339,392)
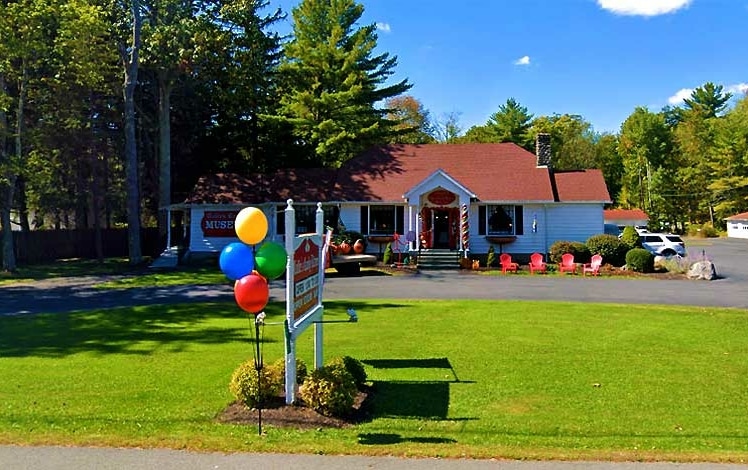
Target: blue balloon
(236,260)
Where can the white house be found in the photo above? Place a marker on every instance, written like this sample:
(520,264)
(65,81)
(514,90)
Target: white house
(457,197)
(737,225)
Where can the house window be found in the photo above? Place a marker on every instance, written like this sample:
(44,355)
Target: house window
(306,218)
(381,220)
(500,220)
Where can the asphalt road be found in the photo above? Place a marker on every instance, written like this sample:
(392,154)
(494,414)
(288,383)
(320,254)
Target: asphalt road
(730,258)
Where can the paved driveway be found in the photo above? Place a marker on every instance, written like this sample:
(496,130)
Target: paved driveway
(730,258)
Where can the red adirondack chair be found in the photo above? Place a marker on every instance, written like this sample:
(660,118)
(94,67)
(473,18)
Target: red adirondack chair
(593,267)
(537,263)
(567,264)
(507,264)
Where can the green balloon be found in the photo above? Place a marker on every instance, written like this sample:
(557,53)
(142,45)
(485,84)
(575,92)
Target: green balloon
(270,260)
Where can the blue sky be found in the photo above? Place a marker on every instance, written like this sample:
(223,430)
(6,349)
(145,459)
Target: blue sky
(596,58)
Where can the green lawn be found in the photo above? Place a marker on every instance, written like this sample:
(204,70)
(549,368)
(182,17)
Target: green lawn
(68,268)
(465,378)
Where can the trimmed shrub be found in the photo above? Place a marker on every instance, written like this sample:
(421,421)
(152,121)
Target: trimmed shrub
(387,256)
(329,390)
(244,385)
(578,249)
(353,366)
(610,247)
(630,237)
(301,369)
(640,260)
(491,259)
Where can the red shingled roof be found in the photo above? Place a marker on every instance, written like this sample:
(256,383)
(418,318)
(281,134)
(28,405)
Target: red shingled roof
(625,214)
(741,216)
(493,172)
(581,186)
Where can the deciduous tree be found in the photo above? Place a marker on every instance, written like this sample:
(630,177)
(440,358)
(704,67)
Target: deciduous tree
(412,120)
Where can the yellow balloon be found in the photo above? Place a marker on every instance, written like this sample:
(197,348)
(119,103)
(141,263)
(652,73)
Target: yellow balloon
(251,225)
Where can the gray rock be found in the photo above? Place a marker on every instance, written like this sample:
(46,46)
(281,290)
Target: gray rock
(702,270)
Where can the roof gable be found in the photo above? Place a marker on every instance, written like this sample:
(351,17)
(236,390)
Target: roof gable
(438,179)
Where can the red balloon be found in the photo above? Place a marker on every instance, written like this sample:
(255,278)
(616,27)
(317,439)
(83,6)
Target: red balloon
(252,293)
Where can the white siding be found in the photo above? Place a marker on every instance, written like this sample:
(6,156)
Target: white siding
(737,229)
(528,242)
(574,222)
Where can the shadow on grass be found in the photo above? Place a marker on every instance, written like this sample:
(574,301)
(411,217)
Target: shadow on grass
(373,439)
(421,399)
(134,330)
(141,329)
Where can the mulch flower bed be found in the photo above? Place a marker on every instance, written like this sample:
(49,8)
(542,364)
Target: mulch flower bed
(278,414)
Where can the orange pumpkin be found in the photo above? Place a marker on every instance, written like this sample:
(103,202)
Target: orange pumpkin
(345,248)
(358,247)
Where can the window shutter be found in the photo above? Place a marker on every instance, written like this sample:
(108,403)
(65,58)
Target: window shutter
(364,220)
(519,224)
(482,220)
(399,216)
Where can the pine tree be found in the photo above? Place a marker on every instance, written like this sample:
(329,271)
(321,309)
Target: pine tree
(333,81)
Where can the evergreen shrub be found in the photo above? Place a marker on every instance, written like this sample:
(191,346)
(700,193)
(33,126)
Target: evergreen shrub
(491,259)
(579,250)
(353,366)
(244,383)
(609,247)
(630,237)
(640,260)
(329,390)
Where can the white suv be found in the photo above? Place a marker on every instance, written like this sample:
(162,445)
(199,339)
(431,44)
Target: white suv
(663,244)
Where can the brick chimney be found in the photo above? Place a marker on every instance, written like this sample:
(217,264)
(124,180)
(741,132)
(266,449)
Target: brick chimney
(543,150)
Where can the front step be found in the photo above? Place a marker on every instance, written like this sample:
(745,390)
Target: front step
(169,259)
(438,259)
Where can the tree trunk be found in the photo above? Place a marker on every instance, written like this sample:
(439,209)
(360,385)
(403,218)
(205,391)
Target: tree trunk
(96,196)
(23,207)
(164,154)
(9,256)
(130,59)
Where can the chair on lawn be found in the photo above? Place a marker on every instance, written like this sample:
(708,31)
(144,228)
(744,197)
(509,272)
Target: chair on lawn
(567,264)
(593,267)
(505,259)
(537,263)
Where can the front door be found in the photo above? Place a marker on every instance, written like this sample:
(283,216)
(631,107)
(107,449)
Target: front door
(441,229)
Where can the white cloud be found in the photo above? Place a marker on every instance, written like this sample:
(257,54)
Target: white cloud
(737,88)
(679,96)
(643,7)
(524,60)
(384,27)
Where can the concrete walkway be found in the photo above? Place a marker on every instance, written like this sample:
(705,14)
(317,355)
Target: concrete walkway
(65,458)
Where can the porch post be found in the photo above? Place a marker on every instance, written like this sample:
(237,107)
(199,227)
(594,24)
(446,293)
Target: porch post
(168,228)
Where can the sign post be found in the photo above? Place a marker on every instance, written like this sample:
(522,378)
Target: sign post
(305,270)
